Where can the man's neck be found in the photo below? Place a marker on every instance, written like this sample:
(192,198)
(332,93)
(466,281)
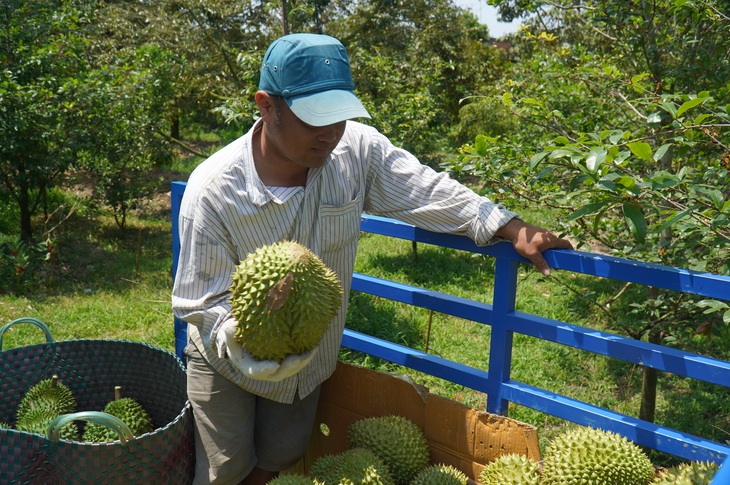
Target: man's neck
(272,169)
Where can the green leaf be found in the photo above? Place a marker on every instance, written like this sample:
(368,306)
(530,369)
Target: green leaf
(641,149)
(480,143)
(663,180)
(654,119)
(536,159)
(635,220)
(507,99)
(586,209)
(689,105)
(719,221)
(595,159)
(661,151)
(712,306)
(607,184)
(618,136)
(669,222)
(670,108)
(700,119)
(716,197)
(628,183)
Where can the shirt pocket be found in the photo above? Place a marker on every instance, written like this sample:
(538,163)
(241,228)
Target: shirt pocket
(339,225)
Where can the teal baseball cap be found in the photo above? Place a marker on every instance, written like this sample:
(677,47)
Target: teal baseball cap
(312,73)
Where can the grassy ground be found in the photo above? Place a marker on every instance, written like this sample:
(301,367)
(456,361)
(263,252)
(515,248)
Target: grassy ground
(105,284)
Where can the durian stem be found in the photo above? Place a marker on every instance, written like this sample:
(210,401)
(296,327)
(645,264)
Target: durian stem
(54,381)
(117,393)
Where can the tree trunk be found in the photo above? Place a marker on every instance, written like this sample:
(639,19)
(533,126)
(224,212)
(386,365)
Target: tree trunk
(175,128)
(26,222)
(284,18)
(649,386)
(650,375)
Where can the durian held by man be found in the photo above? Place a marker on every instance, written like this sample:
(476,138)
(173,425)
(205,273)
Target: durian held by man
(304,172)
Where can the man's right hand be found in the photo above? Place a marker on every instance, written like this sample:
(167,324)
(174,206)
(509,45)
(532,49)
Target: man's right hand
(265,370)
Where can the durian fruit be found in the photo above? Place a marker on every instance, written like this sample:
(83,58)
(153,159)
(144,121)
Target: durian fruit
(399,442)
(440,475)
(48,394)
(128,411)
(37,420)
(694,473)
(294,480)
(283,299)
(511,469)
(43,403)
(589,456)
(355,466)
(4,425)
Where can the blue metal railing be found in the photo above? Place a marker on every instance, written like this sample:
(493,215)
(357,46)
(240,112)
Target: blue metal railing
(504,321)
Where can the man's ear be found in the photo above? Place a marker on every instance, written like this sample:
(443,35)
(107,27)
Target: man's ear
(265,104)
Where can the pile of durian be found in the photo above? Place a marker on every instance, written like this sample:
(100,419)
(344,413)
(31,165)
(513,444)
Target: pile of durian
(382,450)
(49,399)
(391,450)
(588,456)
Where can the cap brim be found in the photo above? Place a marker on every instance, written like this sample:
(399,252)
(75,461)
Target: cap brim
(327,107)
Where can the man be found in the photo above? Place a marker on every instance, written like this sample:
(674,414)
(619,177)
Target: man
(304,172)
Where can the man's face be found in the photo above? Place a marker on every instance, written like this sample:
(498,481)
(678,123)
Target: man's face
(301,144)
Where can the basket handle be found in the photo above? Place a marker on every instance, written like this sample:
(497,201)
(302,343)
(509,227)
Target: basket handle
(104,419)
(34,321)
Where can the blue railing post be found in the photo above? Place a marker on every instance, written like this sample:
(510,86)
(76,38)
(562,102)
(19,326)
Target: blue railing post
(500,346)
(177,189)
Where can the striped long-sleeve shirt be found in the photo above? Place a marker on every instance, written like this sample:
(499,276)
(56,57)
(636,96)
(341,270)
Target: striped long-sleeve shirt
(227,213)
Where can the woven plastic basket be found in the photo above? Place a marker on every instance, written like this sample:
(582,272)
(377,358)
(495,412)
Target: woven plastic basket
(91,369)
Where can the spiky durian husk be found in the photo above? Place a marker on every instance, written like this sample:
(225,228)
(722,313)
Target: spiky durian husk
(440,475)
(399,442)
(694,473)
(49,394)
(37,421)
(283,299)
(356,466)
(589,456)
(127,410)
(294,480)
(511,469)
(4,425)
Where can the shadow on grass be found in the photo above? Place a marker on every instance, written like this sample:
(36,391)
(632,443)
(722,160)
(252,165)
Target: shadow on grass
(92,252)
(436,267)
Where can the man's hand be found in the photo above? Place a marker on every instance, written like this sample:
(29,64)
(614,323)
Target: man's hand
(530,241)
(264,370)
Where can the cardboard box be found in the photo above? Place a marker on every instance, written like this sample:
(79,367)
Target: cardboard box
(457,434)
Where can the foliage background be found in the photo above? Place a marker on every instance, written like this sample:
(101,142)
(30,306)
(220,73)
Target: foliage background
(605,121)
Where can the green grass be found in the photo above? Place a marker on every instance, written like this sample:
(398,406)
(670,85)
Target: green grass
(105,284)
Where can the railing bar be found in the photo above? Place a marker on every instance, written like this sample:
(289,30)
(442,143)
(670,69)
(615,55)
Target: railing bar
(659,357)
(406,356)
(670,278)
(640,432)
(432,300)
